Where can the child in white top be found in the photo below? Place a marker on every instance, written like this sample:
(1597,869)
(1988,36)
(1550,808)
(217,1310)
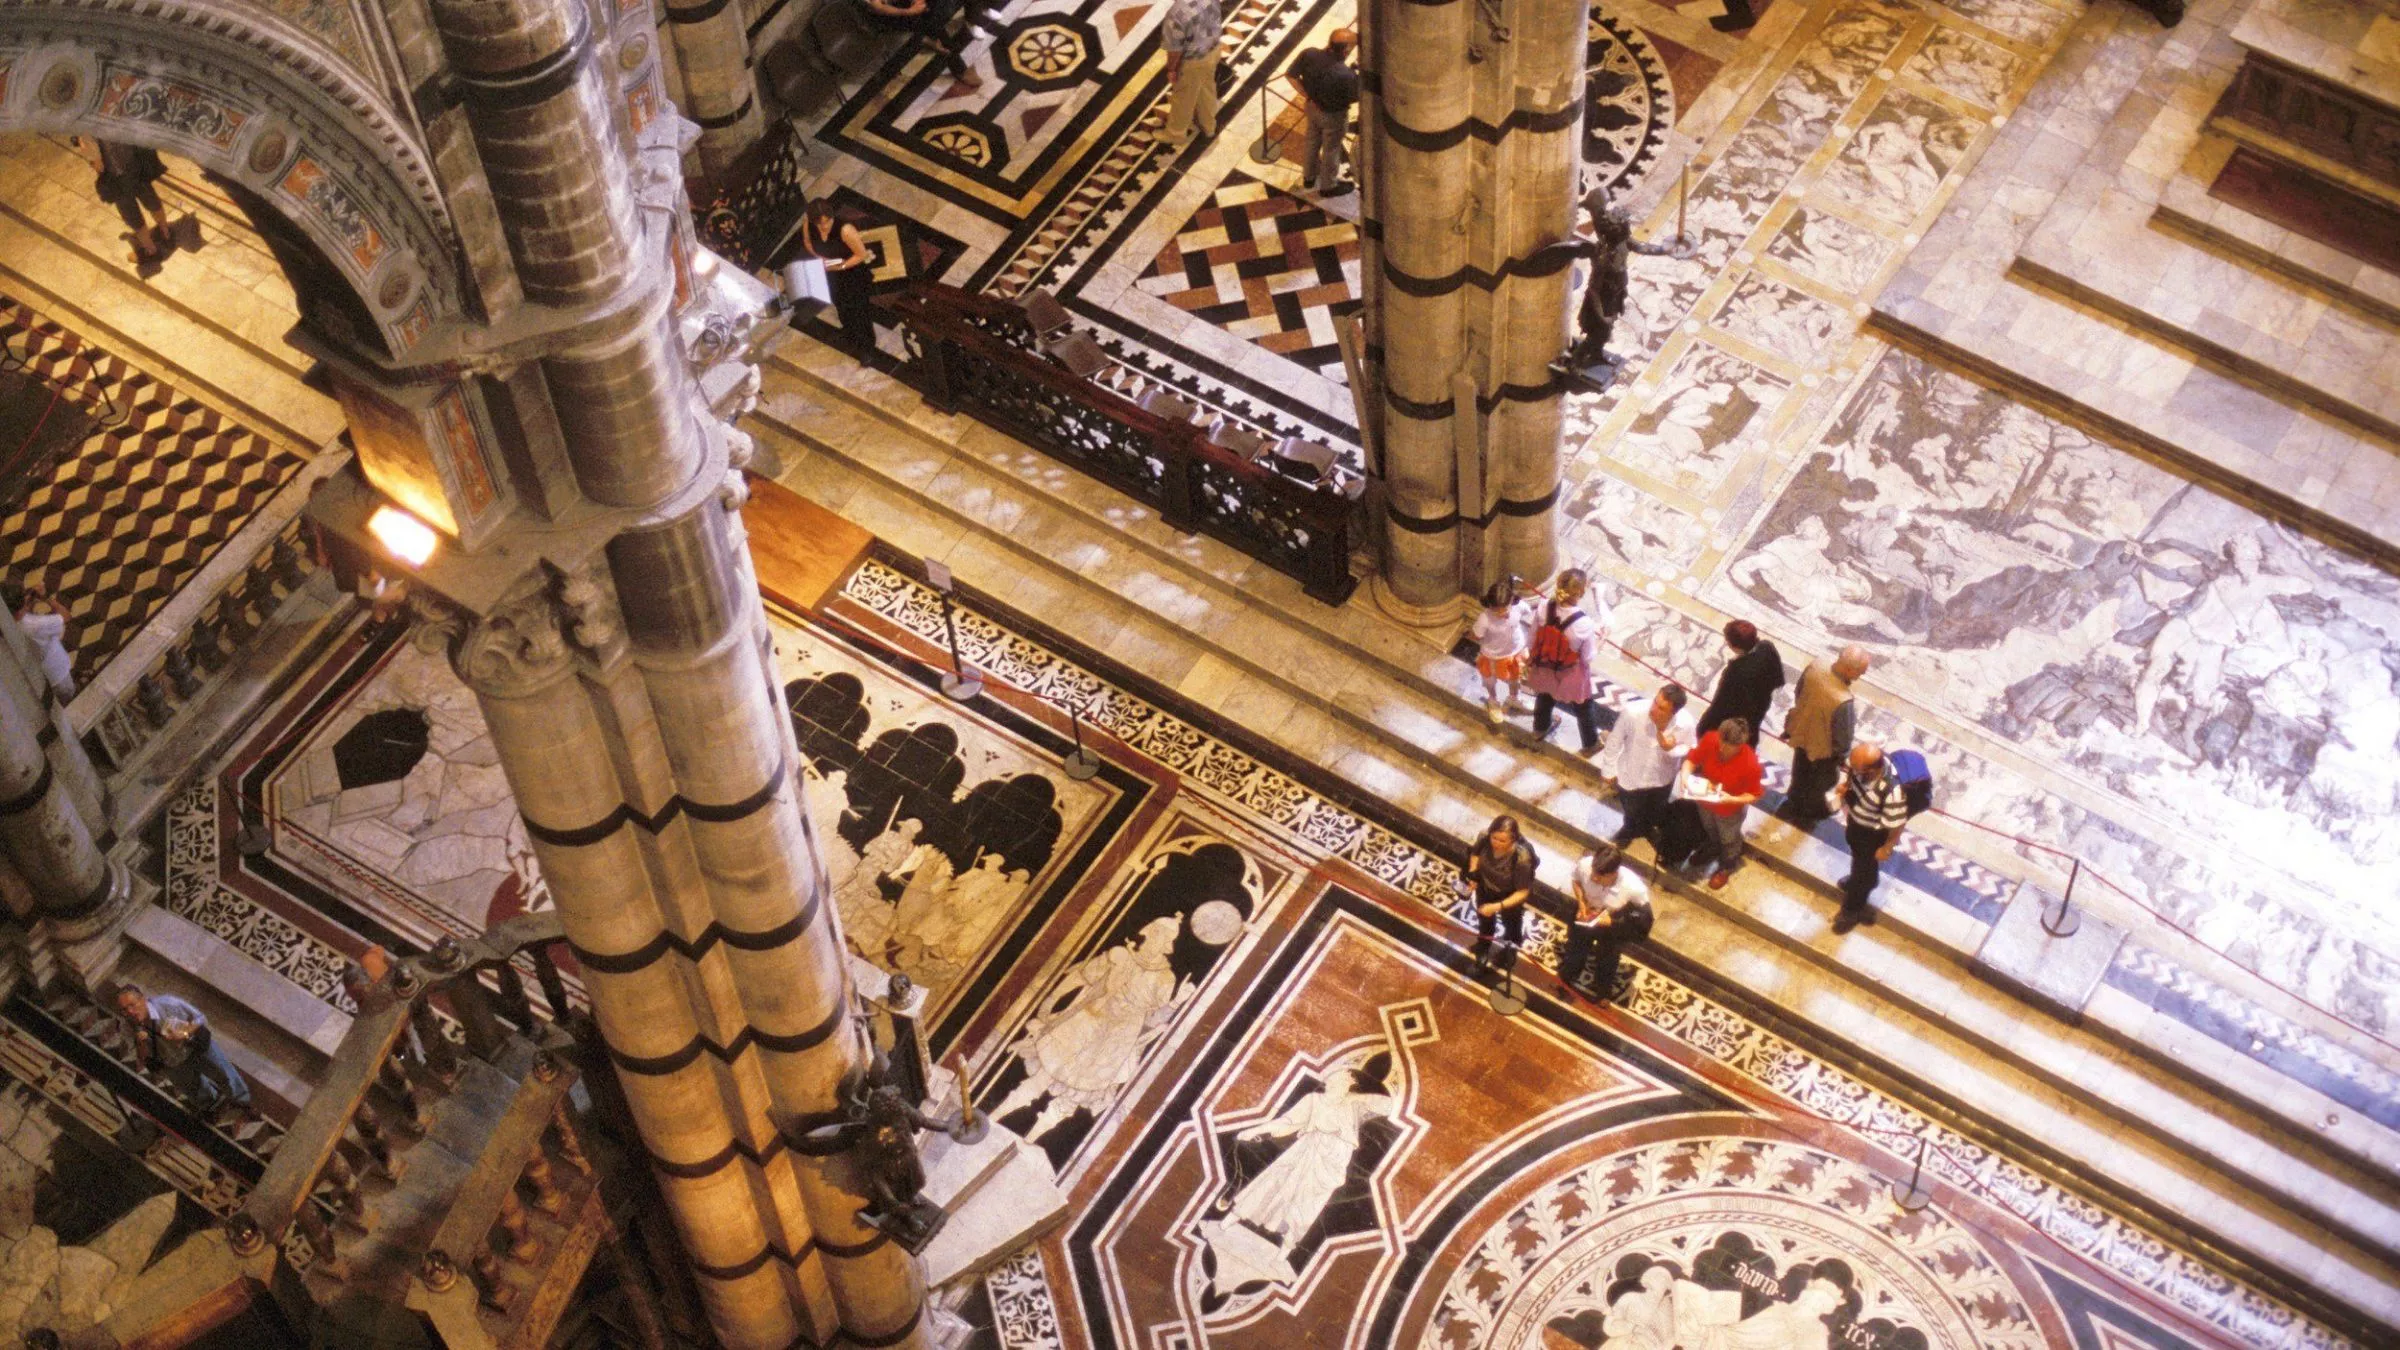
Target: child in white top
(1503,635)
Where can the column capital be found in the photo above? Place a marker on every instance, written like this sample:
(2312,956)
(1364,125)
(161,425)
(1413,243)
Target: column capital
(553,622)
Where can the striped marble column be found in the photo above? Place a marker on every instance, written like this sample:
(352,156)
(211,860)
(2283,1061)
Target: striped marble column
(53,821)
(1472,117)
(635,711)
(720,90)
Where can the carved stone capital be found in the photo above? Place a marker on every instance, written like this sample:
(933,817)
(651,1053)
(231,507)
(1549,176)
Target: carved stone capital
(553,620)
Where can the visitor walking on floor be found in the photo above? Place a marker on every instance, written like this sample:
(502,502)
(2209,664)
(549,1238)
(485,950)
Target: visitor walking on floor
(1747,686)
(1328,89)
(1612,908)
(173,1037)
(1500,870)
(1823,717)
(1875,804)
(849,271)
(1723,776)
(1503,633)
(46,624)
(1642,759)
(1565,648)
(1190,36)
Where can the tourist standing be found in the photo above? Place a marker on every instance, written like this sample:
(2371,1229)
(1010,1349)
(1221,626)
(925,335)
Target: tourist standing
(1328,89)
(1612,908)
(1746,688)
(1191,34)
(1642,759)
(1500,870)
(1824,715)
(849,271)
(1876,808)
(126,177)
(1565,648)
(1503,633)
(46,624)
(1723,777)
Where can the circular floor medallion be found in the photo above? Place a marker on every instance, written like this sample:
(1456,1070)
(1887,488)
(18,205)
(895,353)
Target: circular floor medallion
(1628,104)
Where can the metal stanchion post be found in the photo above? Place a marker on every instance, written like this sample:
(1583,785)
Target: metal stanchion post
(1914,1196)
(1270,146)
(1081,764)
(1506,1000)
(972,1125)
(2065,922)
(961,683)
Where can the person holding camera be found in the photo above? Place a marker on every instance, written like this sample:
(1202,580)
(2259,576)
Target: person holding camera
(173,1037)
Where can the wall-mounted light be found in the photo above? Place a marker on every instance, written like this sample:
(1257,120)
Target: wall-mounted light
(402,535)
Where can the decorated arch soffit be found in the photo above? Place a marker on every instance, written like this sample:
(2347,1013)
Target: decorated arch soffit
(260,99)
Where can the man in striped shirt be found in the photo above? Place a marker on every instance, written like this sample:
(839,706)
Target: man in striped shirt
(1877,810)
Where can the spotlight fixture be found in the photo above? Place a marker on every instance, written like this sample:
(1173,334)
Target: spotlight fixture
(405,537)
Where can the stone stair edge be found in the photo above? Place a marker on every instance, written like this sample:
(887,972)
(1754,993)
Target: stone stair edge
(2060,274)
(2185,209)
(1922,916)
(2018,1052)
(1966,350)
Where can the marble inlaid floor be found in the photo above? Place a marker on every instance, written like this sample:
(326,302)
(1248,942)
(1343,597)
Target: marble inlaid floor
(1234,1009)
(2210,724)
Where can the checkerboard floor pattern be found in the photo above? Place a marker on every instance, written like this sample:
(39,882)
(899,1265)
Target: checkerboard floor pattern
(120,524)
(1264,265)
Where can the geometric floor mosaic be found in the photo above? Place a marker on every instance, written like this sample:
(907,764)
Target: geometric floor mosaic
(113,525)
(1265,265)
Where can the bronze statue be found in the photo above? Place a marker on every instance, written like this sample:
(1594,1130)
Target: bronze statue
(1604,295)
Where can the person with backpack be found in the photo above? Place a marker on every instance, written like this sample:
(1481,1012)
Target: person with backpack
(1565,648)
(1612,908)
(1501,871)
(1876,807)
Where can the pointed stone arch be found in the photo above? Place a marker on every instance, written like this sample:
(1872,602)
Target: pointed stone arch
(261,102)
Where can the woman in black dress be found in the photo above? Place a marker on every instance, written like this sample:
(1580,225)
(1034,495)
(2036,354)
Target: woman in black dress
(1501,871)
(849,269)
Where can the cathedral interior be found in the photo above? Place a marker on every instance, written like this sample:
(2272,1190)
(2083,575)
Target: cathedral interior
(807,673)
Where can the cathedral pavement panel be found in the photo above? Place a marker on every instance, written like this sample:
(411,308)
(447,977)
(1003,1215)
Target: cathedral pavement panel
(1233,1007)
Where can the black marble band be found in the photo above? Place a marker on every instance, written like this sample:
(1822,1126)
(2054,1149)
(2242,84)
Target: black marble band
(1548,260)
(534,82)
(744,1269)
(585,835)
(699,13)
(1437,524)
(626,963)
(1538,122)
(1437,411)
(724,120)
(32,796)
(659,1066)
(89,902)
(851,1251)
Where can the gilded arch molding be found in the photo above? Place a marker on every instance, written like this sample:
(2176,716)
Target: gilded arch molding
(254,98)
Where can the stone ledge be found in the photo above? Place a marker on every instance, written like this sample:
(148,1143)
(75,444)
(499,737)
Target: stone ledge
(2185,209)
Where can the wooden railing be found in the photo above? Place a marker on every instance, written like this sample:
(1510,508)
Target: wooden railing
(975,354)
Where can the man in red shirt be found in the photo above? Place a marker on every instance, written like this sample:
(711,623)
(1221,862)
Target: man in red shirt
(1722,776)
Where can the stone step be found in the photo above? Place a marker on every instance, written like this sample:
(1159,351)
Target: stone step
(1011,523)
(1020,1201)
(2187,209)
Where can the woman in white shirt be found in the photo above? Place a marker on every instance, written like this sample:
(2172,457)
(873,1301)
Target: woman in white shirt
(45,623)
(1612,908)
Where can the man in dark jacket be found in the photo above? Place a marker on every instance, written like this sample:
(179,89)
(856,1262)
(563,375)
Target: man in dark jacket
(1748,685)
